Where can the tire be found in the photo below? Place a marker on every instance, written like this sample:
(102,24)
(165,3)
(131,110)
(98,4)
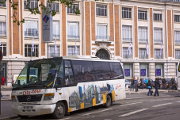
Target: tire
(59,111)
(108,101)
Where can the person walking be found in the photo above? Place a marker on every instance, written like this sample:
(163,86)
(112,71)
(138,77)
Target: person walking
(156,86)
(149,86)
(136,85)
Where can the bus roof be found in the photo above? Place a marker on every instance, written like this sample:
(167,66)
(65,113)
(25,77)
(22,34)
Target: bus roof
(87,58)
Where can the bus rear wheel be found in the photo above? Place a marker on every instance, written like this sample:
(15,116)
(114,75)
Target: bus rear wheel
(108,101)
(59,111)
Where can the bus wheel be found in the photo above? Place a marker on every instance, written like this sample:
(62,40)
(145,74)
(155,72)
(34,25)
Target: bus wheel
(108,101)
(59,111)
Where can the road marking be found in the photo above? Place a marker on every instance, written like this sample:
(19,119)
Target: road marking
(131,104)
(130,113)
(161,105)
(96,112)
(177,101)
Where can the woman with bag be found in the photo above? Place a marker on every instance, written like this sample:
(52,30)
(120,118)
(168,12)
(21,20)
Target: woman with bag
(149,86)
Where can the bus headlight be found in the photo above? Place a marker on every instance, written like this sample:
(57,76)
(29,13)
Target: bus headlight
(48,96)
(13,98)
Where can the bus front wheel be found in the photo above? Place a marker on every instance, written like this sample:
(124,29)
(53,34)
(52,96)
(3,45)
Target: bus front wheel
(108,101)
(59,111)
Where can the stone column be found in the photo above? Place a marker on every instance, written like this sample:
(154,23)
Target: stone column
(170,70)
(136,69)
(152,71)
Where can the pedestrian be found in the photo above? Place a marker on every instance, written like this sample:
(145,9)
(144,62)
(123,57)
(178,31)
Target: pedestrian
(3,81)
(149,86)
(156,86)
(132,85)
(136,85)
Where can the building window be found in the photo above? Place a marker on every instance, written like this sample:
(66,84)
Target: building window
(73,8)
(73,50)
(73,30)
(157,17)
(127,33)
(144,70)
(142,15)
(54,6)
(101,10)
(2,28)
(128,70)
(158,53)
(177,54)
(159,70)
(177,37)
(3,49)
(53,51)
(176,18)
(31,28)
(56,31)
(127,52)
(30,4)
(143,34)
(31,50)
(101,31)
(3,3)
(158,35)
(126,12)
(143,53)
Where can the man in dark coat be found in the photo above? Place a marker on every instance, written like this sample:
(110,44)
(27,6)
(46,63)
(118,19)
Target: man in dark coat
(156,86)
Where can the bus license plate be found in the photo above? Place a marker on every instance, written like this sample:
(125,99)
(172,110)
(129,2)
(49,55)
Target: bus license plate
(27,108)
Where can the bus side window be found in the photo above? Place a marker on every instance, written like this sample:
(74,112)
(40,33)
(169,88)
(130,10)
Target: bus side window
(60,76)
(102,70)
(69,77)
(83,71)
(116,71)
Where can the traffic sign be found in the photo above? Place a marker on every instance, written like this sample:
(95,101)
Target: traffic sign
(1,55)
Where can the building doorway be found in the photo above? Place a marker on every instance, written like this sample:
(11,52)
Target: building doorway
(103,54)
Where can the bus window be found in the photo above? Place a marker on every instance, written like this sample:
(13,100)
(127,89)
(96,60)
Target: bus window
(102,70)
(69,77)
(116,71)
(60,77)
(83,71)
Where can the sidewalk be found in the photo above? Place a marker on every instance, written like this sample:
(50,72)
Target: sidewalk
(142,93)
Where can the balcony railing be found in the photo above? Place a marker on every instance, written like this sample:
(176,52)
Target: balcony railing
(73,36)
(104,39)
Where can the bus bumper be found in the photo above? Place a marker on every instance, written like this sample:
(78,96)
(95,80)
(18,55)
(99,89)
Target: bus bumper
(34,110)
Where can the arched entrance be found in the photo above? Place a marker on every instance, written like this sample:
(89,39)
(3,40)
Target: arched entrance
(103,54)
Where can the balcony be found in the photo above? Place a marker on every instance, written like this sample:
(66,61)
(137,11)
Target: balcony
(103,39)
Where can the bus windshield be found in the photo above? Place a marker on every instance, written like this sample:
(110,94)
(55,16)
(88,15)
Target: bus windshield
(37,74)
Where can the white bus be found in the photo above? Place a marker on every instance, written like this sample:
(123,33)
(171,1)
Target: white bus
(61,85)
(178,77)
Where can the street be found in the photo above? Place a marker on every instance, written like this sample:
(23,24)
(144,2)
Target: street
(164,107)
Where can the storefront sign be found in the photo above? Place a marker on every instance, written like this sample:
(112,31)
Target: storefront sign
(143,72)
(127,72)
(158,72)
